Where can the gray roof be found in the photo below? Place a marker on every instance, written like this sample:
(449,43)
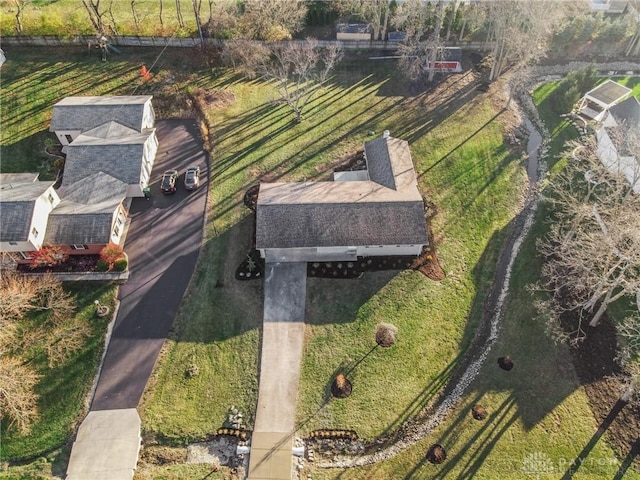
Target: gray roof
(98,192)
(12,178)
(17,201)
(627,112)
(85,213)
(385,210)
(339,224)
(85,113)
(353,28)
(609,92)
(78,228)
(122,161)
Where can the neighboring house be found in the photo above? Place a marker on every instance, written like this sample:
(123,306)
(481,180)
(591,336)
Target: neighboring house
(25,207)
(374,212)
(90,216)
(115,149)
(599,100)
(396,36)
(74,115)
(353,31)
(612,136)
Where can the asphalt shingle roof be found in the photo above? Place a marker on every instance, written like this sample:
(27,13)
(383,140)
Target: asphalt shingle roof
(85,113)
(85,213)
(609,92)
(385,210)
(627,112)
(17,201)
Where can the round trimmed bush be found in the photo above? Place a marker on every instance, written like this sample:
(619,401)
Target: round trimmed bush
(102,266)
(120,265)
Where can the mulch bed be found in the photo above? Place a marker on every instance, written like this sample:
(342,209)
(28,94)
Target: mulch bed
(251,268)
(75,263)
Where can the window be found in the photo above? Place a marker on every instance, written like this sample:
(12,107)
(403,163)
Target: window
(13,243)
(51,200)
(34,232)
(116,231)
(78,247)
(69,138)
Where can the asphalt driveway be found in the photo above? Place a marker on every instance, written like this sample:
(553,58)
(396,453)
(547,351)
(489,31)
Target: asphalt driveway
(162,243)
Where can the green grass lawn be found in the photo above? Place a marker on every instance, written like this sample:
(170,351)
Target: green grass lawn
(63,390)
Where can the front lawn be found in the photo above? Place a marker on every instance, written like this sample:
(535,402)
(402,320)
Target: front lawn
(63,390)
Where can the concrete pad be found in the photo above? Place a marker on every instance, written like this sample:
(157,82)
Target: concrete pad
(107,446)
(271,456)
(284,292)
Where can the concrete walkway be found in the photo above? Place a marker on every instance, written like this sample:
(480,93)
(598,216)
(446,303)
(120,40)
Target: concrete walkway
(282,341)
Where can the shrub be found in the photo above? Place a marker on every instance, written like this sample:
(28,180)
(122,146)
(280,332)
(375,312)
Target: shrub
(120,265)
(102,266)
(110,253)
(48,257)
(386,334)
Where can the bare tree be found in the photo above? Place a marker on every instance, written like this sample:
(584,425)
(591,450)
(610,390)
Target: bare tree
(299,71)
(18,400)
(373,12)
(96,16)
(179,14)
(272,20)
(520,31)
(592,251)
(134,13)
(20,6)
(246,56)
(423,46)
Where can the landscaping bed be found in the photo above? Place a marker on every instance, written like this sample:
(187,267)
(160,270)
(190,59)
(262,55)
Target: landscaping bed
(74,263)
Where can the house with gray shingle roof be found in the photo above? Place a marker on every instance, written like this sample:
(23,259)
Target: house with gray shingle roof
(114,149)
(90,215)
(617,138)
(376,212)
(74,115)
(111,134)
(597,101)
(25,206)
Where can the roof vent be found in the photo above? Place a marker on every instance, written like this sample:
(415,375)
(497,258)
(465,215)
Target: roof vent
(386,134)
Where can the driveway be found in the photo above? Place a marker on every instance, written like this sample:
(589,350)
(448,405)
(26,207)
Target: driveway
(282,341)
(163,241)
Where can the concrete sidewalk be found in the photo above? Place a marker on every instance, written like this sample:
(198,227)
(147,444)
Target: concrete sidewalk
(282,342)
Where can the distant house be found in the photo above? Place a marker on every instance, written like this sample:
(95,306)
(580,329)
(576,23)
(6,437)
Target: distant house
(450,61)
(612,148)
(598,101)
(367,213)
(115,149)
(353,31)
(396,36)
(75,115)
(25,206)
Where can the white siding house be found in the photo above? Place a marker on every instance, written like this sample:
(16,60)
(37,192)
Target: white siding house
(611,149)
(25,206)
(377,212)
(74,115)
